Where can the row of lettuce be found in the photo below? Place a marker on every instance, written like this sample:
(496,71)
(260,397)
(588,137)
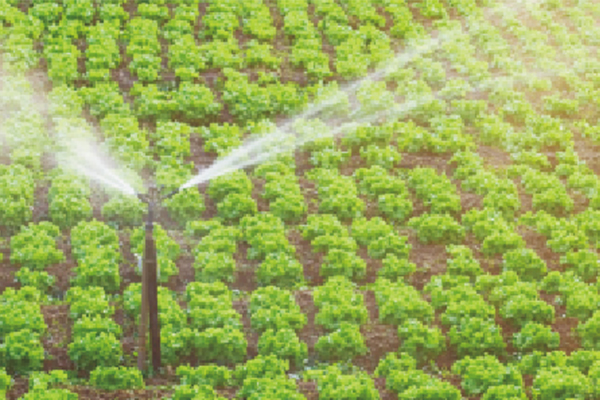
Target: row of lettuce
(211,330)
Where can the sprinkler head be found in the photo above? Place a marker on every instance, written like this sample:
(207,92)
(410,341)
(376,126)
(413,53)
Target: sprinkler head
(150,198)
(171,194)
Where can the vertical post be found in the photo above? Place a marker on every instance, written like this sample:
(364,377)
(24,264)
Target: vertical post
(143,328)
(150,264)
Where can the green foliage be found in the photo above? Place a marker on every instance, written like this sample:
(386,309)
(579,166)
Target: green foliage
(185,206)
(343,263)
(214,267)
(532,363)
(17,314)
(572,384)
(124,211)
(395,268)
(475,337)
(459,310)
(526,263)
(265,233)
(583,360)
(51,394)
(437,228)
(95,325)
(196,392)
(504,392)
(5,383)
(274,308)
(386,157)
(89,301)
(584,263)
(284,344)
(334,383)
(462,262)
(211,375)
(16,195)
(197,229)
(338,303)
(91,350)
(224,345)
(261,366)
(397,208)
(41,280)
(421,342)
(117,378)
(21,351)
(35,246)
(436,191)
(69,201)
(280,269)
(235,206)
(481,373)
(270,388)
(589,332)
(96,248)
(521,310)
(399,303)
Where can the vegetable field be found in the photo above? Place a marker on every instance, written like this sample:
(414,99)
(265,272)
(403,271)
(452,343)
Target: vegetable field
(446,249)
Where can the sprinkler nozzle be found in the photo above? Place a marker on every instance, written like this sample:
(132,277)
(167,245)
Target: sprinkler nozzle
(171,194)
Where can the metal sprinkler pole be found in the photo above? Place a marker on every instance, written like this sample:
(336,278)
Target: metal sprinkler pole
(150,286)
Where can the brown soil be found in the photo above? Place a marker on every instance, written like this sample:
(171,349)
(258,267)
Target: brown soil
(241,306)
(310,260)
(429,258)
(379,338)
(57,338)
(537,242)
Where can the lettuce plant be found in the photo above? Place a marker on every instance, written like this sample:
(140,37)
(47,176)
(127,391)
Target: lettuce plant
(420,341)
(338,302)
(344,343)
(526,263)
(41,280)
(589,333)
(284,344)
(481,373)
(534,336)
(333,383)
(221,345)
(280,269)
(572,384)
(476,336)
(35,246)
(395,268)
(124,211)
(343,263)
(91,350)
(22,351)
(505,392)
(274,308)
(437,228)
(212,375)
(16,195)
(399,302)
(185,206)
(116,378)
(195,392)
(521,310)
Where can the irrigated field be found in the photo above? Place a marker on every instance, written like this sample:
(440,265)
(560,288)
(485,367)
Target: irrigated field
(444,248)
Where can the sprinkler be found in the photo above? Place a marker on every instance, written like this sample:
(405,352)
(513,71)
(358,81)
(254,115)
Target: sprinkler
(149,283)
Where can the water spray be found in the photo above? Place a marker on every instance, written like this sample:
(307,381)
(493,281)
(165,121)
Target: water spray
(150,282)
